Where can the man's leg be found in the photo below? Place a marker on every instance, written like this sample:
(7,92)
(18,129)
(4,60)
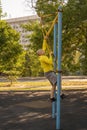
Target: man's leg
(52,98)
(52,91)
(62,95)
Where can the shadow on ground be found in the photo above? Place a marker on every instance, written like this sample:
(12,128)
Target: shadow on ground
(31,110)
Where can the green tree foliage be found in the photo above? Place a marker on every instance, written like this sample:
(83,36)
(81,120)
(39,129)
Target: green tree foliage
(10,50)
(82,39)
(36,40)
(1,11)
(31,65)
(36,36)
(74,38)
(73,16)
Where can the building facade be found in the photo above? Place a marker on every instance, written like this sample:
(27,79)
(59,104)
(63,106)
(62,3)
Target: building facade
(16,24)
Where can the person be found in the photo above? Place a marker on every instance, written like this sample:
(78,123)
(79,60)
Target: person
(47,66)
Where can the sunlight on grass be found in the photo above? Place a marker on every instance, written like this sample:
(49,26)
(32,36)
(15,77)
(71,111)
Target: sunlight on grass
(40,85)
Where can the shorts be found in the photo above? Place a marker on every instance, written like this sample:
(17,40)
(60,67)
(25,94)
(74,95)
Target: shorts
(51,76)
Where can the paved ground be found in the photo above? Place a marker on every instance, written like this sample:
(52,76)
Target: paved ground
(32,111)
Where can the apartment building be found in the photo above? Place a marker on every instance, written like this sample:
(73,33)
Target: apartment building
(16,24)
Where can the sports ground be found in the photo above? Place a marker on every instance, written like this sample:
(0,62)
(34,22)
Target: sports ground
(31,110)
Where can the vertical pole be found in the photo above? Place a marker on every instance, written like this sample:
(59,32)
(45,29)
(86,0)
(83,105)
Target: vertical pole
(59,66)
(55,43)
(55,56)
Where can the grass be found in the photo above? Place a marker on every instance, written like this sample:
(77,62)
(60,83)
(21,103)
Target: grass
(40,85)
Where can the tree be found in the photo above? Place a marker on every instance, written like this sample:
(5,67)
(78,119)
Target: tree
(1,12)
(83,47)
(73,16)
(10,50)
(35,37)
(74,13)
(31,64)
(31,58)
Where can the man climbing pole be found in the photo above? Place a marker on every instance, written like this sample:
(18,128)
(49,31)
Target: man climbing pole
(47,66)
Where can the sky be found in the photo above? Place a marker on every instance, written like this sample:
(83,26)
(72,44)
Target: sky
(16,8)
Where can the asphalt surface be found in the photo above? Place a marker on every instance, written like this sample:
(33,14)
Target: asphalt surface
(31,110)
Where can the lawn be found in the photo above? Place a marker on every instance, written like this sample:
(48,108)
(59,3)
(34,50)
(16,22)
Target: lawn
(41,85)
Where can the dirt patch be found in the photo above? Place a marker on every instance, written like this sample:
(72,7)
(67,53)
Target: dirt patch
(31,110)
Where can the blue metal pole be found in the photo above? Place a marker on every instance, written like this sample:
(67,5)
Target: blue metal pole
(55,43)
(55,57)
(59,66)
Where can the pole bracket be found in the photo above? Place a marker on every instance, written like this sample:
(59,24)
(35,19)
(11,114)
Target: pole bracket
(58,71)
(60,9)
